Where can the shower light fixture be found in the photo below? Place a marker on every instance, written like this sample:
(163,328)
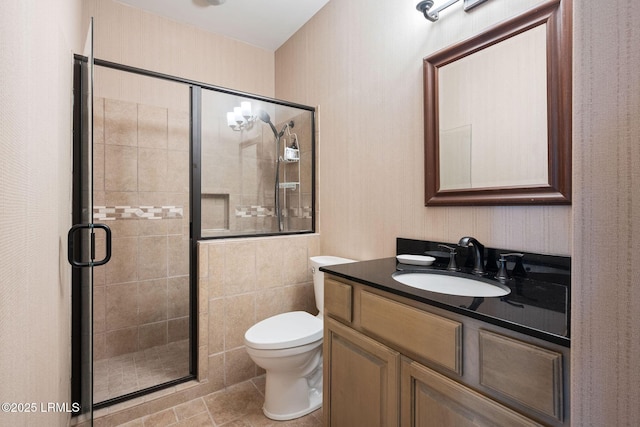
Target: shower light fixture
(425,6)
(241,118)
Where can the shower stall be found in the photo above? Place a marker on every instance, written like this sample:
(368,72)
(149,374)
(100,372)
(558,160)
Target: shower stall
(164,162)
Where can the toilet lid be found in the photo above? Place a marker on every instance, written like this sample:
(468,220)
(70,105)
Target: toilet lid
(284,330)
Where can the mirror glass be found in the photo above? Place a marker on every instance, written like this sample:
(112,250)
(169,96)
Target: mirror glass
(497,115)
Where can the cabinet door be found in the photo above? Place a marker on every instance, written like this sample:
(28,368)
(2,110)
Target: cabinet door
(430,399)
(361,379)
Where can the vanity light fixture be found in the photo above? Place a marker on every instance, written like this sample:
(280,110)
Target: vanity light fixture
(241,118)
(425,6)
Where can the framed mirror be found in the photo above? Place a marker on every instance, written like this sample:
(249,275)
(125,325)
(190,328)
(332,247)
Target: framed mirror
(498,114)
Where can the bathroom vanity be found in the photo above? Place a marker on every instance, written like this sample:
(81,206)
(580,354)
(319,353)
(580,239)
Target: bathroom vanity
(396,355)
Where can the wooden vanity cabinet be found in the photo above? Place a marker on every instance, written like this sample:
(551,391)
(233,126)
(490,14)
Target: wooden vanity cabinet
(391,361)
(363,376)
(430,399)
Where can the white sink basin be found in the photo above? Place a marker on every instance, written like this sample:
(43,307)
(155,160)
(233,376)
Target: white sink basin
(451,285)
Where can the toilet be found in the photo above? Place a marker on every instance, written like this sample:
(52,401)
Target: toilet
(288,347)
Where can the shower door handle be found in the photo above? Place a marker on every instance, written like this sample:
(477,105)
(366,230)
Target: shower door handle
(92,263)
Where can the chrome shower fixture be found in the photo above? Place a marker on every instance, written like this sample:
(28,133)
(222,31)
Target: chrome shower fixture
(433,15)
(264,116)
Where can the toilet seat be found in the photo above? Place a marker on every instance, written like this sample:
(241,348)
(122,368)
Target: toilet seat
(284,330)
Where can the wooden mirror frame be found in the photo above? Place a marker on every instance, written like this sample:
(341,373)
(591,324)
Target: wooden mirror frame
(557,15)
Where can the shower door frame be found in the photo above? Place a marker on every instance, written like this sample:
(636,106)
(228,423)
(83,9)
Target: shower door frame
(193,284)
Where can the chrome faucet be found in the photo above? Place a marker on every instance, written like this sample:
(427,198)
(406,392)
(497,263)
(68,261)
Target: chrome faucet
(478,265)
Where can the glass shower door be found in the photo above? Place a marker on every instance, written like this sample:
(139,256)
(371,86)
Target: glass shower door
(82,237)
(141,189)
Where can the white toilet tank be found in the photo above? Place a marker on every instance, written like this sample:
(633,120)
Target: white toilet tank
(318,276)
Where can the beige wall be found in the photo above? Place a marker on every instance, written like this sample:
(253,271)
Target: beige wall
(140,39)
(362,66)
(37,41)
(606,273)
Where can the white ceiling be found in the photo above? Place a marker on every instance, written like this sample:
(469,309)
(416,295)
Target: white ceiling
(263,23)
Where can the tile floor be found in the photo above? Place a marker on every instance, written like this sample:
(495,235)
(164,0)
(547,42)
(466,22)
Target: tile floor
(237,406)
(131,372)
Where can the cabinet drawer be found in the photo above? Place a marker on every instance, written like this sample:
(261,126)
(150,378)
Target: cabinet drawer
(525,372)
(423,335)
(338,299)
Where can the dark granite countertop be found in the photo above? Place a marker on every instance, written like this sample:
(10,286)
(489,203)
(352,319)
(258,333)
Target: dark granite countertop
(538,304)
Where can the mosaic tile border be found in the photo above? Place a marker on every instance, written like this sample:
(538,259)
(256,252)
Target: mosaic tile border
(254,211)
(111,213)
(263,211)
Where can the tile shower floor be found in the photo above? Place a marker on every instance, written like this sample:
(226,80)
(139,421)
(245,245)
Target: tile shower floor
(131,372)
(236,406)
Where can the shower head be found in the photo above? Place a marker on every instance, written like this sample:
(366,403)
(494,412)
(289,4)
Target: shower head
(264,116)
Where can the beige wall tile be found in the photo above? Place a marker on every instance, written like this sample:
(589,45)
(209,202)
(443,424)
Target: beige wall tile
(178,329)
(296,259)
(120,122)
(124,228)
(151,227)
(98,167)
(216,326)
(215,368)
(300,297)
(203,259)
(178,297)
(99,309)
(121,168)
(240,267)
(203,363)
(239,312)
(203,328)
(270,263)
(152,335)
(121,341)
(238,366)
(152,169)
(178,255)
(152,257)
(270,302)
(99,346)
(121,305)
(216,270)
(152,301)
(152,126)
(178,169)
(98,120)
(178,130)
(120,198)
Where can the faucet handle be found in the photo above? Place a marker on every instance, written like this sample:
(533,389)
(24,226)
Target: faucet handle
(502,273)
(452,257)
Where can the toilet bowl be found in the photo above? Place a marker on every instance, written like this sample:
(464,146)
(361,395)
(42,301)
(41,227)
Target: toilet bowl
(288,347)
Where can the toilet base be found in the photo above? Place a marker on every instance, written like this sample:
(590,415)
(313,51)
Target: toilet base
(288,396)
(315,402)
